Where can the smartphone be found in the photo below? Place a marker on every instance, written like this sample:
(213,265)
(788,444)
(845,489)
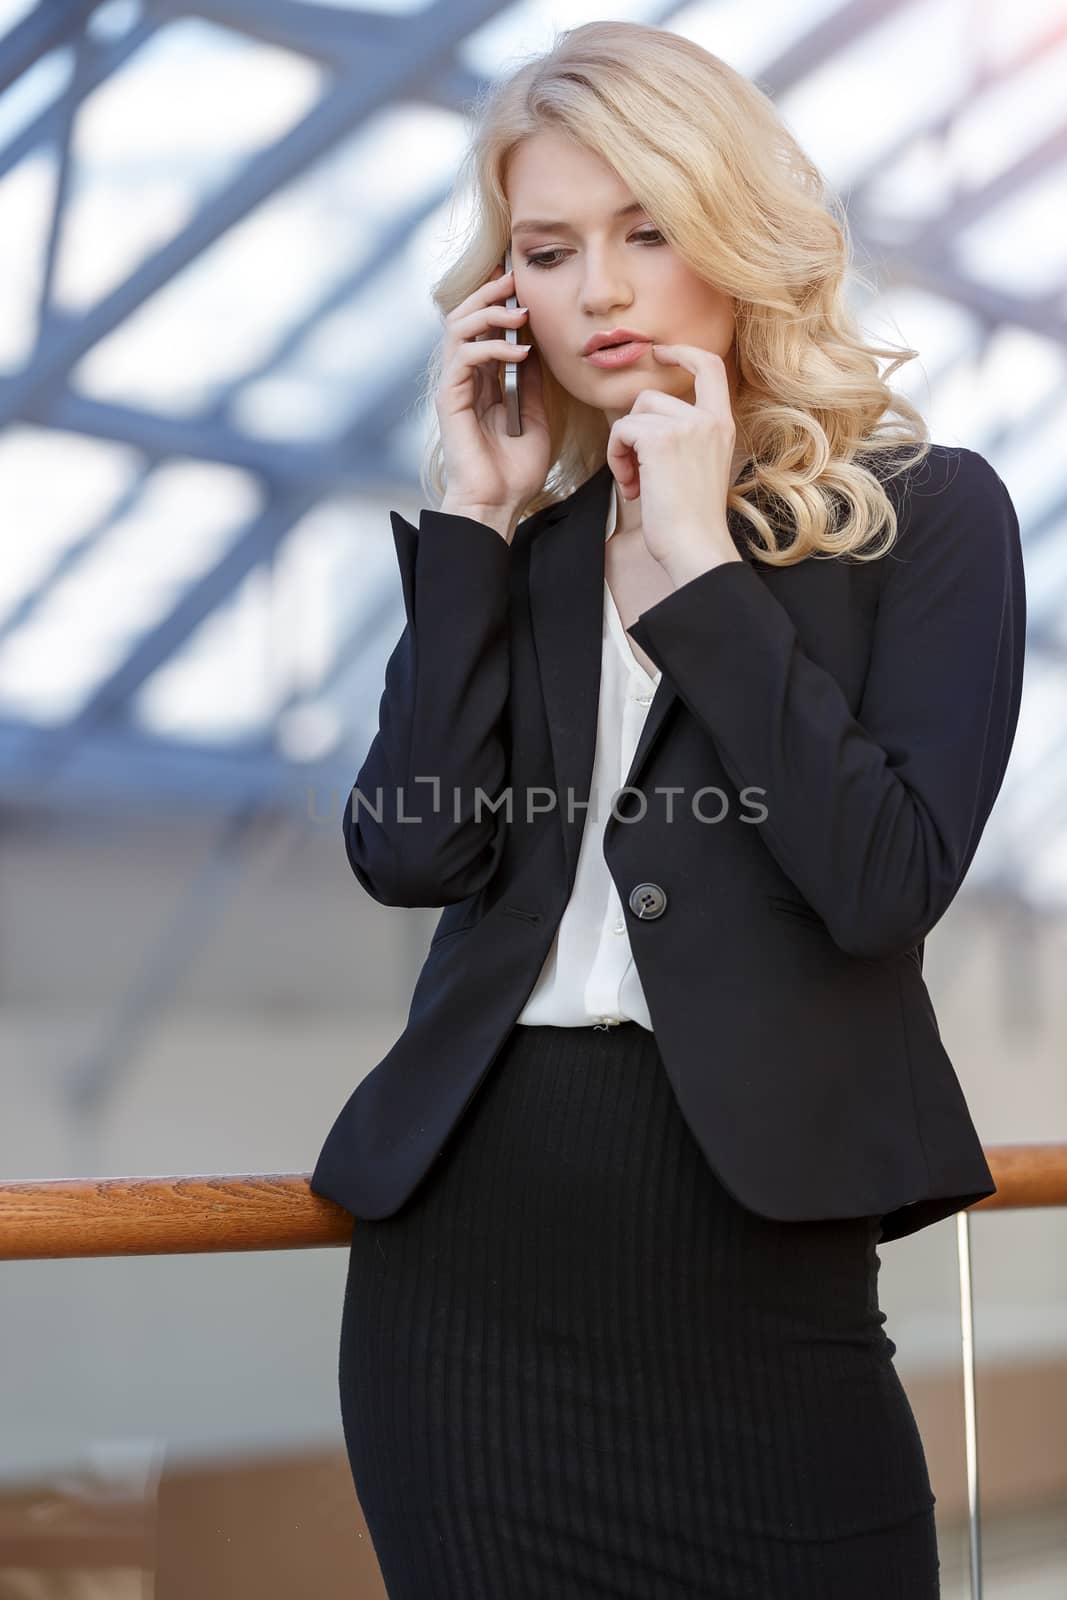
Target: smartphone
(511,368)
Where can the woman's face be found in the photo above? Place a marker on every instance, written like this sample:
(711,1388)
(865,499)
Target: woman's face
(603,271)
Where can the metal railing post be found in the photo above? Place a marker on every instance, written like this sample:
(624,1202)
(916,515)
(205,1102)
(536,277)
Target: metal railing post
(963,1251)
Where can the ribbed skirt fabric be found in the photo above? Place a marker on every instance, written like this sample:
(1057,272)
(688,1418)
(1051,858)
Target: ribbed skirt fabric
(573,1366)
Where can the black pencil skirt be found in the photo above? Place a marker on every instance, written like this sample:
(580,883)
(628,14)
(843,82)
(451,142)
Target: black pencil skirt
(573,1366)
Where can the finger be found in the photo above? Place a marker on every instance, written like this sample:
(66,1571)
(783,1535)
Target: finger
(711,384)
(628,431)
(494,289)
(622,456)
(486,317)
(654,400)
(474,352)
(624,444)
(470,366)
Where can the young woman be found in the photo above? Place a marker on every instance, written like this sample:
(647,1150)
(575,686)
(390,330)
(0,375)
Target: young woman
(708,684)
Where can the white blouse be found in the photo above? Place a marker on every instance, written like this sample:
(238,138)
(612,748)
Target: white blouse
(589,976)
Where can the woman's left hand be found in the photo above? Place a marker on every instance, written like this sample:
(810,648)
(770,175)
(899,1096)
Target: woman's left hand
(678,456)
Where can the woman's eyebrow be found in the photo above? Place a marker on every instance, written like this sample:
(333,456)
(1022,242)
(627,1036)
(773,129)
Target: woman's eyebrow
(558,225)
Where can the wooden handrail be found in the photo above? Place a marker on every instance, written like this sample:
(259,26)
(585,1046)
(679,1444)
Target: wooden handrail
(58,1218)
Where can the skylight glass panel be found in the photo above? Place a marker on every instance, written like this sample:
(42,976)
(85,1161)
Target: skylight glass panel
(185,518)
(399,8)
(33,91)
(1046,592)
(13,12)
(727,29)
(941,331)
(333,371)
(347,359)
(1007,391)
(221,688)
(854,104)
(56,486)
(226,321)
(914,187)
(276,644)
(1032,456)
(27,200)
(988,249)
(1001,121)
(1041,732)
(1009,28)
(530,27)
(203,101)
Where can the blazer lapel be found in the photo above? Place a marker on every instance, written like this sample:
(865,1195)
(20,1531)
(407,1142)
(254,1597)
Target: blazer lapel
(566,615)
(567,612)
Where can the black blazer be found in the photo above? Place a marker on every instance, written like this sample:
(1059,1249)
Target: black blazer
(850,724)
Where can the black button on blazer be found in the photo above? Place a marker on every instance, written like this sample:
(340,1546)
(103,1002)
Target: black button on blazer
(836,734)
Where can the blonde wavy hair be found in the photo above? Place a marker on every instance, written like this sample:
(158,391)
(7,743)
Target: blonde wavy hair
(740,202)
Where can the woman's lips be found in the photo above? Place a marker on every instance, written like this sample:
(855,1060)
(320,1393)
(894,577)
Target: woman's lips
(619,355)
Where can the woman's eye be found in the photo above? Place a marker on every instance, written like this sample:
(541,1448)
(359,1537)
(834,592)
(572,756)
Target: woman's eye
(646,236)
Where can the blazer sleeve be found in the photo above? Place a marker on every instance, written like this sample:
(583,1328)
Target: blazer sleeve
(414,834)
(875,817)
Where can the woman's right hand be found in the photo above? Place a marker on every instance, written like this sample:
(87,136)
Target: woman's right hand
(487,469)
